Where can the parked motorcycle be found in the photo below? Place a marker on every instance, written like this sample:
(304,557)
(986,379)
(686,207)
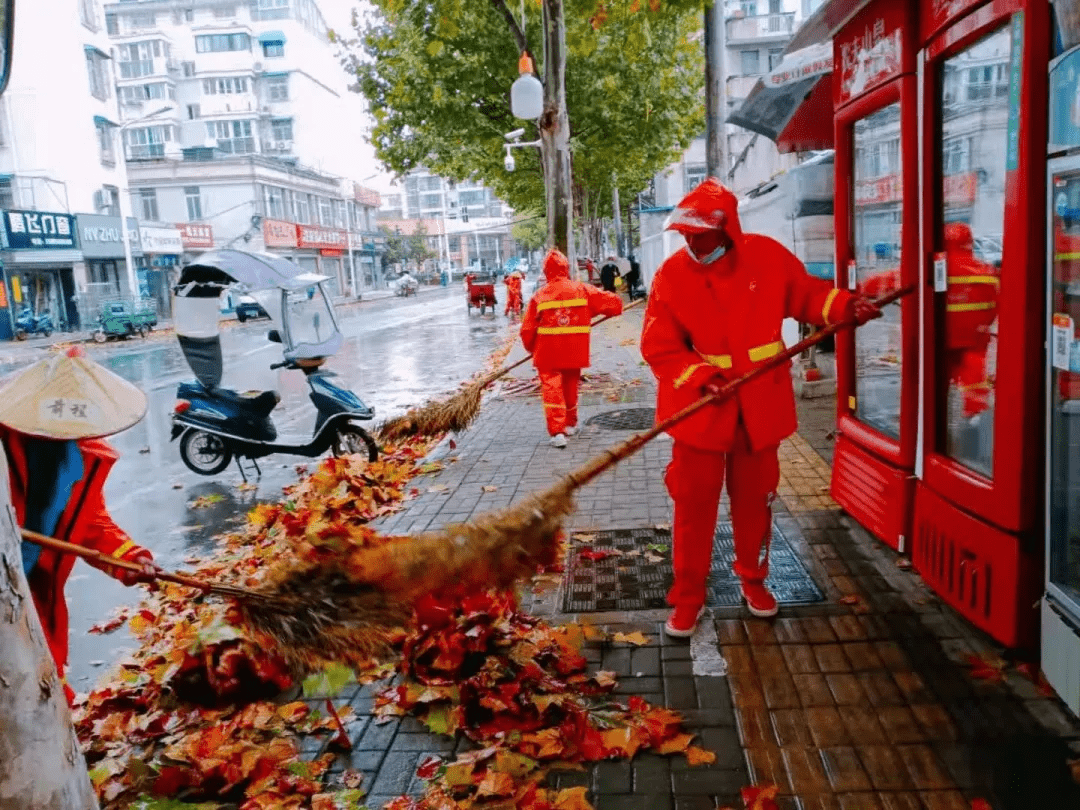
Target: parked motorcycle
(27,323)
(217,425)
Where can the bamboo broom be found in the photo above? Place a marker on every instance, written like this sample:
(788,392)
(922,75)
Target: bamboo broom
(458,411)
(495,550)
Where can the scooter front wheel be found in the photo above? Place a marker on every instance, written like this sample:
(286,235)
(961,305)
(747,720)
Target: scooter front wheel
(204,453)
(351,439)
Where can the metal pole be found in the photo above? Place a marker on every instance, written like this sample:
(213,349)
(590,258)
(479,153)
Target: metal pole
(555,133)
(617,212)
(715,91)
(125,194)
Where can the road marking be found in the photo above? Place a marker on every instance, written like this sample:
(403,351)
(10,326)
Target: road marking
(705,648)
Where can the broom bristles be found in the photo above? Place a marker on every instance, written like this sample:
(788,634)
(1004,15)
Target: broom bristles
(453,414)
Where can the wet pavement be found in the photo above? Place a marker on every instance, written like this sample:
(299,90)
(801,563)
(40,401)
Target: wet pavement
(397,353)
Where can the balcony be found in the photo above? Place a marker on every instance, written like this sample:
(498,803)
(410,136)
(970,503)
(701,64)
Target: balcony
(760,28)
(141,68)
(227,104)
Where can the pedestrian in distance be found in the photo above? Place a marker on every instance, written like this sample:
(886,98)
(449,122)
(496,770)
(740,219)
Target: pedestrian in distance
(714,312)
(53,416)
(513,294)
(556,331)
(609,271)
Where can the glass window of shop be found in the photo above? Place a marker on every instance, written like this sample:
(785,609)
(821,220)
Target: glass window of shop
(971,193)
(876,221)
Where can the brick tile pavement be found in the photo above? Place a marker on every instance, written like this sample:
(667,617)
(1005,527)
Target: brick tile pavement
(842,710)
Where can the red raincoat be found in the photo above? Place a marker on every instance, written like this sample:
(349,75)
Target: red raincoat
(84,521)
(714,322)
(970,310)
(556,331)
(513,293)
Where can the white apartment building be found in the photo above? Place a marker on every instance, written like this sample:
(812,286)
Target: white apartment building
(236,127)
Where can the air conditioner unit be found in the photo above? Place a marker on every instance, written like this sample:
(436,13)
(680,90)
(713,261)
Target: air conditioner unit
(101,201)
(257,67)
(284,146)
(265,108)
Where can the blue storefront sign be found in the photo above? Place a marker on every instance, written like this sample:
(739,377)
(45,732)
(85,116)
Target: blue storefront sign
(37,230)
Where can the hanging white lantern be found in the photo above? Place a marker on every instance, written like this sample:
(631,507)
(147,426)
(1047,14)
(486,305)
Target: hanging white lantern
(526,93)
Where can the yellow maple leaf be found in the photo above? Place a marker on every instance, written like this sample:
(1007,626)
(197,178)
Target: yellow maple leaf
(699,756)
(676,744)
(572,799)
(637,637)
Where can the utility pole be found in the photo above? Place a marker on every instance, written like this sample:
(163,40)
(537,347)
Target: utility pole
(555,134)
(715,90)
(616,209)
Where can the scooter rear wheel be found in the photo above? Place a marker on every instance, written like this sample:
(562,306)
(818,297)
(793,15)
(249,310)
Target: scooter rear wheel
(351,439)
(204,453)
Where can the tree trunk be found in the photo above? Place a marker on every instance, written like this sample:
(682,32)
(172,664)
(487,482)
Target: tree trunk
(555,133)
(616,215)
(41,764)
(715,90)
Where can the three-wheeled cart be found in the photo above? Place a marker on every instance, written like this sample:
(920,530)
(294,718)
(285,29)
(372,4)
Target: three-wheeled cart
(123,318)
(480,292)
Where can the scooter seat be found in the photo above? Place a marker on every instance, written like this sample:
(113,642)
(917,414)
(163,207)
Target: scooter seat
(260,403)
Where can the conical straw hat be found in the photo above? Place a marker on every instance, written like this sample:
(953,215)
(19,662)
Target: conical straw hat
(69,396)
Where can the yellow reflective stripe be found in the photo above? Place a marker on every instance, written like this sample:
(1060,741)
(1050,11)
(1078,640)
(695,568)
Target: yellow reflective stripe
(835,291)
(123,549)
(970,307)
(563,330)
(1066,257)
(570,302)
(680,381)
(718,360)
(851,403)
(975,280)
(759,353)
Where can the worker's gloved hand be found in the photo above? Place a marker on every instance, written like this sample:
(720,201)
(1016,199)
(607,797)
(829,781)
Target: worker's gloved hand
(863,309)
(713,386)
(147,574)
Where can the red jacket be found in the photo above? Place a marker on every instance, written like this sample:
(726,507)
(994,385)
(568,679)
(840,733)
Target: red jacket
(84,522)
(971,300)
(556,325)
(721,319)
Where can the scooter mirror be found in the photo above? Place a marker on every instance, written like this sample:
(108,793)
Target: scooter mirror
(273,336)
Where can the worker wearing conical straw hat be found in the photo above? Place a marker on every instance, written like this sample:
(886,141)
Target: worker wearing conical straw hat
(555,331)
(714,312)
(53,416)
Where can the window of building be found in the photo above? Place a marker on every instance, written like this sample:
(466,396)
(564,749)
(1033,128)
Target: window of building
(693,175)
(270,9)
(301,208)
(273,49)
(194,203)
(104,133)
(188,69)
(748,8)
(224,12)
(274,197)
(233,137)
(147,142)
(454,244)
(112,27)
(277,88)
(136,59)
(281,129)
(214,43)
(193,111)
(7,193)
(956,155)
(750,62)
(776,55)
(326,212)
(340,214)
(184,15)
(111,201)
(138,93)
(88,14)
(148,206)
(141,20)
(225,86)
(98,71)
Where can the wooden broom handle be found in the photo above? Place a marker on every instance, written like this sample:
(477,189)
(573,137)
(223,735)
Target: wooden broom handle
(502,372)
(90,554)
(609,458)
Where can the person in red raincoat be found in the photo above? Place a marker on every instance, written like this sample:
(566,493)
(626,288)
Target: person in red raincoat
(715,311)
(513,293)
(970,310)
(51,418)
(556,331)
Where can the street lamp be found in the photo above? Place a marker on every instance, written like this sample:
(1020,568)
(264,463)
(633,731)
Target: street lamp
(125,193)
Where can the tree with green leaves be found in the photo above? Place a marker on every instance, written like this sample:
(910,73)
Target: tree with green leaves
(405,248)
(530,230)
(436,76)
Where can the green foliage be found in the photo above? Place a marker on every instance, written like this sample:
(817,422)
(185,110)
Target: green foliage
(403,248)
(530,230)
(437,75)
(329,682)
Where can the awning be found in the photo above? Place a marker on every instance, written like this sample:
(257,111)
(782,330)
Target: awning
(97,50)
(272,36)
(102,121)
(793,105)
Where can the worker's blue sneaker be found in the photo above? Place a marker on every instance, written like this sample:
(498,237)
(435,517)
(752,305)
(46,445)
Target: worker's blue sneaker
(683,621)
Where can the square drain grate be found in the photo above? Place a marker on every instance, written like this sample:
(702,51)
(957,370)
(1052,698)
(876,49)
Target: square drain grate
(636,574)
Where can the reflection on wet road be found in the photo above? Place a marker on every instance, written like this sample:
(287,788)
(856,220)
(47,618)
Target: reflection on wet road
(397,353)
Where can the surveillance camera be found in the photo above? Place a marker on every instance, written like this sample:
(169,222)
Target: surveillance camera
(509,162)
(513,136)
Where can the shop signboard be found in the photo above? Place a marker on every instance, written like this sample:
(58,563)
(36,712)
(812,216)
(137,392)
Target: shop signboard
(936,14)
(161,240)
(37,230)
(870,50)
(278,233)
(878,190)
(315,236)
(196,235)
(101,237)
(960,189)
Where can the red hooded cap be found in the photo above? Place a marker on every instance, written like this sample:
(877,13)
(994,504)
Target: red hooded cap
(708,207)
(556,265)
(958,237)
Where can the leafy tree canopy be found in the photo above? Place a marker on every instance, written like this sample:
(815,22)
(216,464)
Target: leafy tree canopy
(437,76)
(530,230)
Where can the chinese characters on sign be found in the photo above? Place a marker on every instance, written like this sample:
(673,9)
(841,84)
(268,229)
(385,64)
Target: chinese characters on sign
(196,235)
(868,57)
(39,229)
(277,233)
(878,190)
(312,236)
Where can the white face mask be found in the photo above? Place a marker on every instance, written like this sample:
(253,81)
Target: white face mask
(712,257)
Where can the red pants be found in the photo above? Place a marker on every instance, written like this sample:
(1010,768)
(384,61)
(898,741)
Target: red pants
(513,303)
(967,370)
(559,390)
(695,479)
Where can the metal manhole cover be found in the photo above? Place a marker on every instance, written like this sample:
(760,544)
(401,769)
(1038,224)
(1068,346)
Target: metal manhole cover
(633,572)
(626,419)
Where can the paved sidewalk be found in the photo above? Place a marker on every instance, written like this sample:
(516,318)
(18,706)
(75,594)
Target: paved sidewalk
(862,701)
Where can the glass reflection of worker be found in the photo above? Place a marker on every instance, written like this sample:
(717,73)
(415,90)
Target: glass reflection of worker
(970,310)
(52,417)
